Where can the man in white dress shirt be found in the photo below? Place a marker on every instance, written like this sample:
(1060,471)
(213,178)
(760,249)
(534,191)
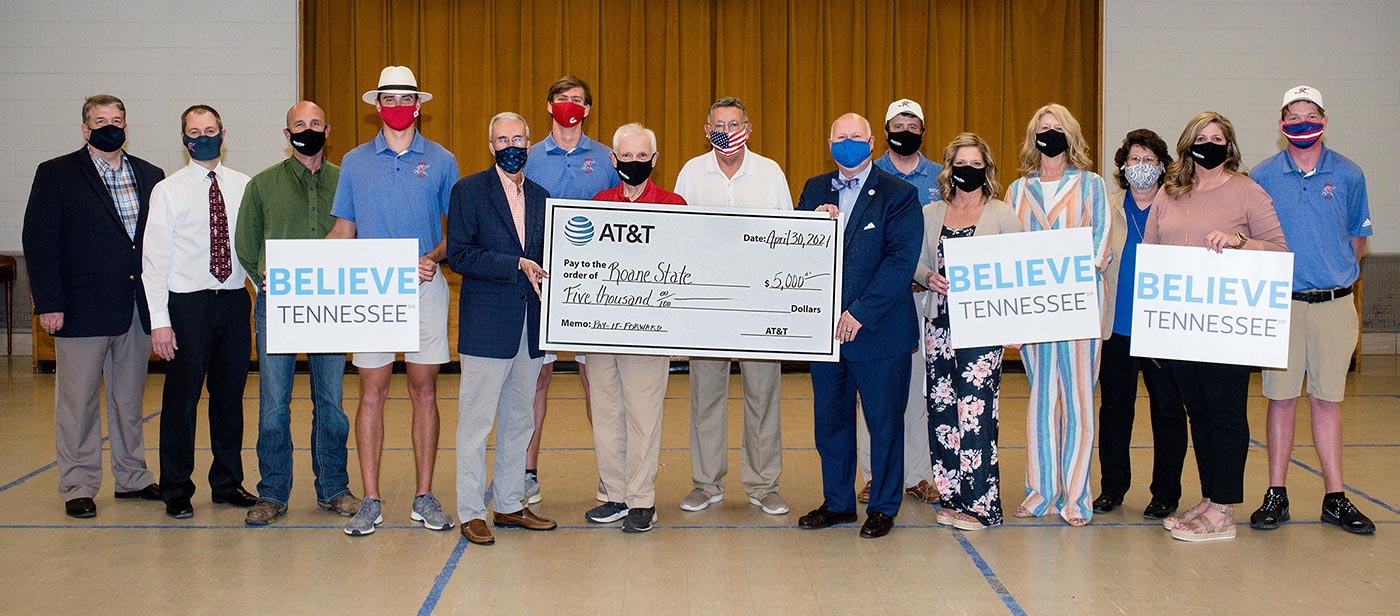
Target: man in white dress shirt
(199,314)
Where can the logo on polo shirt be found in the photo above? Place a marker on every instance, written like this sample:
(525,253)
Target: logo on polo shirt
(579,230)
(421,170)
(1328,190)
(587,166)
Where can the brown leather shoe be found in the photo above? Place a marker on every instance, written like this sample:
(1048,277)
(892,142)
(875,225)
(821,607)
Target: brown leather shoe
(923,491)
(864,495)
(477,532)
(522,519)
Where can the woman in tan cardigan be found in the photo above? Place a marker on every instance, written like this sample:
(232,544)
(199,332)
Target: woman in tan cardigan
(963,383)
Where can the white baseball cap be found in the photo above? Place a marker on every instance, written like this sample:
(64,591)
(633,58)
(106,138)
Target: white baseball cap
(396,80)
(904,105)
(1302,93)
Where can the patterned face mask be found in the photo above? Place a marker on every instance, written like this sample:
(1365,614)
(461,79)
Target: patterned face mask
(1142,175)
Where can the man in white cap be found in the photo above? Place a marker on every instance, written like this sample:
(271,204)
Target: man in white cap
(398,186)
(1320,198)
(904,134)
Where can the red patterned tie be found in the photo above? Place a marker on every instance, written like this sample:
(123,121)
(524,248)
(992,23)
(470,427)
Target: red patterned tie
(220,260)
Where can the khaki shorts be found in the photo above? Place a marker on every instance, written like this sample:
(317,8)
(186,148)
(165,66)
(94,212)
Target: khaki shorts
(432,330)
(1321,339)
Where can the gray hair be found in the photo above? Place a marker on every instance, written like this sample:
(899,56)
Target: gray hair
(627,130)
(728,101)
(502,117)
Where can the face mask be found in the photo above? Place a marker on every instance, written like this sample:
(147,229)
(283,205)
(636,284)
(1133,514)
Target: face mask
(204,147)
(1210,155)
(109,138)
(398,118)
(635,172)
(1051,142)
(567,113)
(1142,175)
(512,159)
(968,178)
(850,153)
(904,142)
(308,142)
(729,144)
(1300,134)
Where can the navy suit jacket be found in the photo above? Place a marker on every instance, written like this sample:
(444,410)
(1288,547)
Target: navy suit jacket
(496,297)
(81,262)
(882,241)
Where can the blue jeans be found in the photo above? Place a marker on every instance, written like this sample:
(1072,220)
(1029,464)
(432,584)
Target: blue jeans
(329,426)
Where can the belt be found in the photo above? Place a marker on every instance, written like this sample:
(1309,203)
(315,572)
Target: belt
(1317,297)
(213,292)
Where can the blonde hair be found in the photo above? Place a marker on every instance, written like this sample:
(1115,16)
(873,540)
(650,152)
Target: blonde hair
(1078,153)
(945,182)
(1181,174)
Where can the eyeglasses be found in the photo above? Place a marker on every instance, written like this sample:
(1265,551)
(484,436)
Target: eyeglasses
(517,141)
(1133,160)
(728,127)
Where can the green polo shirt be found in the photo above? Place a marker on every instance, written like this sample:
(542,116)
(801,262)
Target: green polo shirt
(284,202)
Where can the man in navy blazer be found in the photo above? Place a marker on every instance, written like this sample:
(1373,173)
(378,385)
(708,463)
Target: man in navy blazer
(495,240)
(882,227)
(82,247)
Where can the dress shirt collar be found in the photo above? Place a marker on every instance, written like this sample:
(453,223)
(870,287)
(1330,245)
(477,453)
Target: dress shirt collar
(101,163)
(508,183)
(202,173)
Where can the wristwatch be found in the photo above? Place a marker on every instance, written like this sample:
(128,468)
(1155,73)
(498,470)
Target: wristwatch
(1243,240)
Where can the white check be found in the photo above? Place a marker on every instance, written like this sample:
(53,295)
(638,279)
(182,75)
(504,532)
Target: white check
(677,280)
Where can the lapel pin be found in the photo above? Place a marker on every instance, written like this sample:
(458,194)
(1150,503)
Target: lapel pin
(872,192)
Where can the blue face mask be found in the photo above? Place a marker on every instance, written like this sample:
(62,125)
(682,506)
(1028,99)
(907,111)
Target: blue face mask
(204,147)
(512,159)
(850,153)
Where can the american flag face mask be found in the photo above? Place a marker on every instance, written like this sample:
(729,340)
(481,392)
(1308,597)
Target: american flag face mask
(729,143)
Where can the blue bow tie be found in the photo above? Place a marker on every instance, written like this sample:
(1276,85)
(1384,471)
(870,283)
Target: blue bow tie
(838,183)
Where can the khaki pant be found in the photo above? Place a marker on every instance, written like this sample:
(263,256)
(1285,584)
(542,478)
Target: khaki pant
(709,439)
(627,393)
(1321,338)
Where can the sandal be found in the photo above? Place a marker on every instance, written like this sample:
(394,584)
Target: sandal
(1171,522)
(1203,528)
(1022,512)
(945,516)
(1077,522)
(965,522)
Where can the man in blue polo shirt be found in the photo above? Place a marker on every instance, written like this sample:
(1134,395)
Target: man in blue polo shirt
(570,166)
(398,186)
(1320,198)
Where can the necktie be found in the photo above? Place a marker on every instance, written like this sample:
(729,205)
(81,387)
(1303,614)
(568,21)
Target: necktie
(838,183)
(220,259)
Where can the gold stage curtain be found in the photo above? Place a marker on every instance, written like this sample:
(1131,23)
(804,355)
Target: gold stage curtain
(977,65)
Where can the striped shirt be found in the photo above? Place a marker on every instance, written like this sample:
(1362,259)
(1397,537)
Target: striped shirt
(121,185)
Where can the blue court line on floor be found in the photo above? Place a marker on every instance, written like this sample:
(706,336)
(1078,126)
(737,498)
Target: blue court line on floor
(41,470)
(440,582)
(1016,447)
(989,575)
(1347,487)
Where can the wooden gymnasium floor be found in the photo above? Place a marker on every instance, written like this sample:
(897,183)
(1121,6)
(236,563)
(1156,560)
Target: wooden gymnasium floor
(729,559)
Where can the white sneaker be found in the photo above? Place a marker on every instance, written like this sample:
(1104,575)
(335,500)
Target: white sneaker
(699,499)
(771,503)
(532,489)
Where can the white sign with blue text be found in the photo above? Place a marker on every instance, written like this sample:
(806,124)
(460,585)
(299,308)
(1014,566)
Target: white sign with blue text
(342,296)
(1225,308)
(1022,287)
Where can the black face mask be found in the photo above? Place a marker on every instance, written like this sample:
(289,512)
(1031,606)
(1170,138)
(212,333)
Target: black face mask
(968,178)
(308,142)
(109,138)
(634,172)
(1210,155)
(1051,143)
(904,142)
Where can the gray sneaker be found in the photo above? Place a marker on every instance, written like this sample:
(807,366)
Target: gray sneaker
(427,510)
(532,489)
(606,512)
(699,499)
(771,503)
(364,520)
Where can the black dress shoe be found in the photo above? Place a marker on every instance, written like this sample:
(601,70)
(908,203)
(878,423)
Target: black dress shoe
(1273,512)
(821,517)
(1105,504)
(237,498)
(1339,511)
(1157,510)
(179,508)
(80,508)
(150,492)
(876,525)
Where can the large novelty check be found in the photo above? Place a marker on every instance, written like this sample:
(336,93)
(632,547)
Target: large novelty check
(677,280)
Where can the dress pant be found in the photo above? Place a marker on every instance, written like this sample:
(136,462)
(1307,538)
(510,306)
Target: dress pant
(1118,385)
(503,390)
(709,437)
(918,466)
(627,393)
(80,367)
(214,339)
(1216,398)
(883,387)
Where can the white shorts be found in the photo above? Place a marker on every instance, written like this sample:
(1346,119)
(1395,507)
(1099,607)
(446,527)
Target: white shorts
(433,346)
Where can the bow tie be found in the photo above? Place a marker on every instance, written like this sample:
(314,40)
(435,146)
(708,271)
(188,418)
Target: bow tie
(838,183)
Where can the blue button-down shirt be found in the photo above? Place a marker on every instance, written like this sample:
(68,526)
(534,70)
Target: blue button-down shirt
(392,195)
(924,176)
(578,174)
(846,199)
(1320,212)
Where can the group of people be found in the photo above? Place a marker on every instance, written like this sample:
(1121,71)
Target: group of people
(125,261)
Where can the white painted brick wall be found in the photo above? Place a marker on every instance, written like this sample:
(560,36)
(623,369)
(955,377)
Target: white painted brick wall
(1166,61)
(159,57)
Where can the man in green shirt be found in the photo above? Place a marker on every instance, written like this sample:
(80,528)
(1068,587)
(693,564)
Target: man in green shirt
(291,200)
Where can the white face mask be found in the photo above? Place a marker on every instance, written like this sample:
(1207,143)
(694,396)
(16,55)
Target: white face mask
(1142,175)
